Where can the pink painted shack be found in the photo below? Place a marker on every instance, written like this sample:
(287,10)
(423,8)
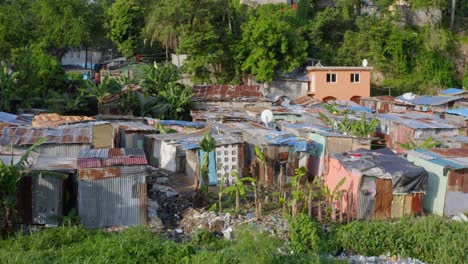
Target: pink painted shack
(378,184)
(339,83)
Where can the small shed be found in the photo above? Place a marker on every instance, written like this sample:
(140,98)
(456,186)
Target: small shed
(112,187)
(448,179)
(378,184)
(458,117)
(410,126)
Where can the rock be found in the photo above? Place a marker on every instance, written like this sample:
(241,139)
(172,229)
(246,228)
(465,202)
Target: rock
(162,180)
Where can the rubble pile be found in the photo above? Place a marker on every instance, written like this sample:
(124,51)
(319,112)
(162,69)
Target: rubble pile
(226,223)
(167,211)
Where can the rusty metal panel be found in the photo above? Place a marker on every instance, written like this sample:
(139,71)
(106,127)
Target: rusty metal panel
(47,199)
(110,172)
(119,201)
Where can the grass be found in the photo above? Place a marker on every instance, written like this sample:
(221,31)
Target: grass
(431,239)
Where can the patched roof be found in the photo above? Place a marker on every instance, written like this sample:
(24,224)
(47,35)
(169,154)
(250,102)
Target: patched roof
(417,120)
(95,158)
(226,93)
(452,158)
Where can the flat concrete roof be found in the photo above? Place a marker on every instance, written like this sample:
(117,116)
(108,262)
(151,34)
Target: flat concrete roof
(338,68)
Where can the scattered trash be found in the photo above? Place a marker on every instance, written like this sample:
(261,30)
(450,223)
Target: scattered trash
(380,259)
(168,191)
(460,217)
(162,180)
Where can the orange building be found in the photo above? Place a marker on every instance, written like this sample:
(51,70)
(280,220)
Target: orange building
(339,83)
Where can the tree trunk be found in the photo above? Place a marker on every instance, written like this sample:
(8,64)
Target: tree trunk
(452,13)
(237,200)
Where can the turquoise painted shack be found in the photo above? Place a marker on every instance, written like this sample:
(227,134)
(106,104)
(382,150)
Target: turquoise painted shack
(447,192)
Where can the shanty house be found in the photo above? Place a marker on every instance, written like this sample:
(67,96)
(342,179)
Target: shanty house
(227,96)
(45,193)
(325,142)
(284,152)
(112,187)
(385,104)
(131,134)
(427,103)
(378,184)
(59,142)
(447,193)
(404,127)
(458,117)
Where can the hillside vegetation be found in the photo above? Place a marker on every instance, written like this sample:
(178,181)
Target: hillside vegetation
(227,42)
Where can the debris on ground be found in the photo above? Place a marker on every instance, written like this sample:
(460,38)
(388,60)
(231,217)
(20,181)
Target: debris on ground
(387,259)
(225,223)
(460,217)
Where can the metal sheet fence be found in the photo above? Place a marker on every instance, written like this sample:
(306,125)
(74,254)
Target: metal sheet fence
(46,200)
(119,201)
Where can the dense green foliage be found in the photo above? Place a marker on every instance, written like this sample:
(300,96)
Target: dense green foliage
(138,245)
(226,42)
(431,239)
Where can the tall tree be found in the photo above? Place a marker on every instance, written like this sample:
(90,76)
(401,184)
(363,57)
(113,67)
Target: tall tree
(270,43)
(62,24)
(126,23)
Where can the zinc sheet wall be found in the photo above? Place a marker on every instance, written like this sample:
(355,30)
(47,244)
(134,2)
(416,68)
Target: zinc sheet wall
(46,200)
(55,150)
(119,201)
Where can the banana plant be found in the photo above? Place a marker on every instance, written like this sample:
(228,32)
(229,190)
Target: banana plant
(207,144)
(298,193)
(345,126)
(239,188)
(363,128)
(427,144)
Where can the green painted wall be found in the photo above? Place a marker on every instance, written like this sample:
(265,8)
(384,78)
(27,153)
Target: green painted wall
(434,201)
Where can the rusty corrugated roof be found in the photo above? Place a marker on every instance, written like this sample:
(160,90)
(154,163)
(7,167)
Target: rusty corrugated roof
(54,120)
(22,136)
(454,152)
(227,93)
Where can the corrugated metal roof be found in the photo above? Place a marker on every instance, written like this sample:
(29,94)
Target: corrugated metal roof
(226,93)
(445,160)
(54,120)
(54,164)
(22,136)
(417,120)
(182,123)
(111,172)
(134,127)
(430,100)
(460,112)
(95,158)
(7,117)
(194,142)
(454,91)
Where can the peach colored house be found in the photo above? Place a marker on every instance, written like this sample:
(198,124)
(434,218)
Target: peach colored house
(339,83)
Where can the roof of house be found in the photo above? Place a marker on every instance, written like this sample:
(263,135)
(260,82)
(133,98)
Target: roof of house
(461,112)
(417,120)
(227,93)
(384,163)
(450,158)
(384,98)
(96,158)
(429,100)
(134,127)
(454,91)
(23,136)
(54,120)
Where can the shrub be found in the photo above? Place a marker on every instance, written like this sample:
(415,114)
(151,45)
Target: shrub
(431,239)
(307,236)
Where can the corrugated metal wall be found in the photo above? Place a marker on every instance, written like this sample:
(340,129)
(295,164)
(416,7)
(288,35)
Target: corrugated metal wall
(62,150)
(119,201)
(46,200)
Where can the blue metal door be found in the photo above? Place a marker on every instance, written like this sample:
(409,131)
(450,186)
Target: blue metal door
(211,168)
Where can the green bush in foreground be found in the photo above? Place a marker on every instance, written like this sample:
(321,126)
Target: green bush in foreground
(139,245)
(432,239)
